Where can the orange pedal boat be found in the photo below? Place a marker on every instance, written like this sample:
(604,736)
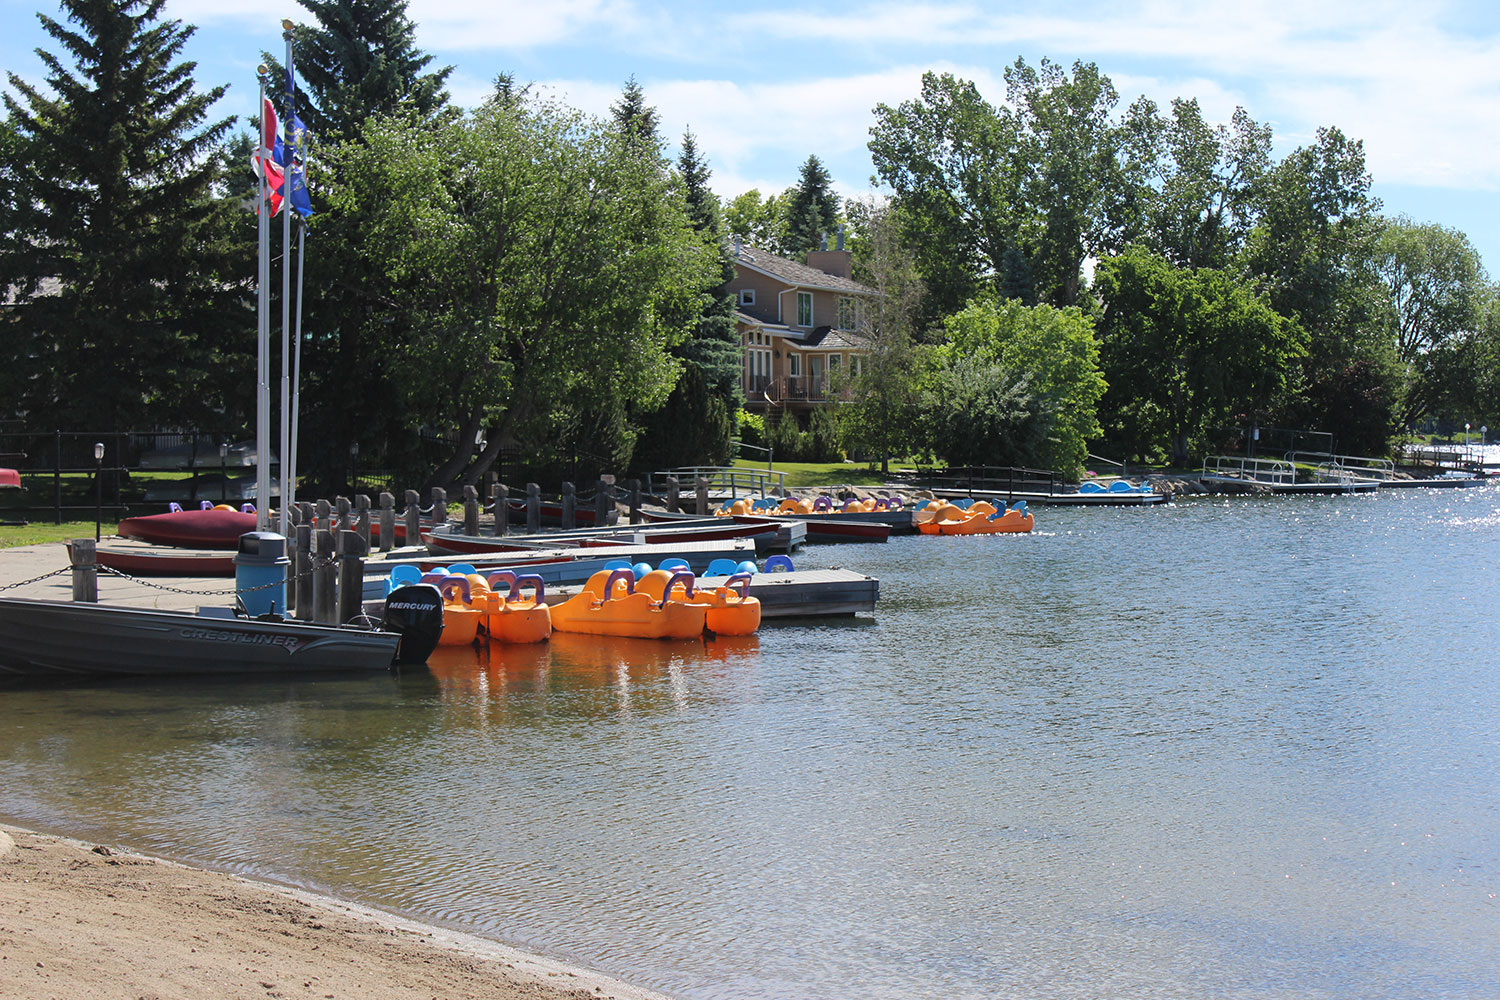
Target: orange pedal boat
(727,612)
(509,617)
(610,605)
(461,619)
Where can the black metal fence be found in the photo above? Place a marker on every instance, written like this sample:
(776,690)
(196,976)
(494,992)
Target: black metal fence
(991,481)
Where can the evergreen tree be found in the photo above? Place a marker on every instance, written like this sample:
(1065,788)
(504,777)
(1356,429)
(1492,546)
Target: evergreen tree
(116,256)
(638,121)
(813,211)
(360,61)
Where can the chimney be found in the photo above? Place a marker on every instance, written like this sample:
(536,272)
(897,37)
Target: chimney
(838,263)
(840,244)
(736,246)
(822,241)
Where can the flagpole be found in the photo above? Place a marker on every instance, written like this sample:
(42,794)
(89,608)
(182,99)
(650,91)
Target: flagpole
(289,114)
(263,333)
(297,359)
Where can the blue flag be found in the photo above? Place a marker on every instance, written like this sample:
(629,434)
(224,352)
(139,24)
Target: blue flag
(291,152)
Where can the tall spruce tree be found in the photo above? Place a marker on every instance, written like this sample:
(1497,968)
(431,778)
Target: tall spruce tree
(638,121)
(359,63)
(813,211)
(361,60)
(116,256)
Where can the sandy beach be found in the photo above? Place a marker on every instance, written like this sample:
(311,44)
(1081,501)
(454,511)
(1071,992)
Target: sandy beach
(82,921)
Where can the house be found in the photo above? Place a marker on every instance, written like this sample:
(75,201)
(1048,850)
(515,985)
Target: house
(800,325)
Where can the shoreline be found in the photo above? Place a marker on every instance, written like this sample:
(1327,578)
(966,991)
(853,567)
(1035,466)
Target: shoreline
(93,921)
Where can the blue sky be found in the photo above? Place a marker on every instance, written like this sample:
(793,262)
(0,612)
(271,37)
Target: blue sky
(763,85)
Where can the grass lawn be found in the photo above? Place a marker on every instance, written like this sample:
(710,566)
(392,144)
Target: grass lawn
(806,474)
(45,531)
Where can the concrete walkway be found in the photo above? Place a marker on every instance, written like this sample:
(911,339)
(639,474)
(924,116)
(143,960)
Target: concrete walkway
(24,564)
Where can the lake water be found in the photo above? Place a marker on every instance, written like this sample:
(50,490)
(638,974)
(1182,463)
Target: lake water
(1243,749)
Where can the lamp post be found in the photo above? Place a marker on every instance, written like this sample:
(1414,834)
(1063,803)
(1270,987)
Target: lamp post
(98,486)
(223,471)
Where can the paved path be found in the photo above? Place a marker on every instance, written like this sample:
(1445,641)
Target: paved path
(27,562)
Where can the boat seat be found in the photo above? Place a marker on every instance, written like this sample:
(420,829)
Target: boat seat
(403,575)
(721,567)
(774,563)
(461,569)
(672,564)
(614,564)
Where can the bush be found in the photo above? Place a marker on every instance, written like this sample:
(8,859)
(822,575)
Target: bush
(822,444)
(752,427)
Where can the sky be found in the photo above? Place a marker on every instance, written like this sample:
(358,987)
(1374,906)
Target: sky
(763,86)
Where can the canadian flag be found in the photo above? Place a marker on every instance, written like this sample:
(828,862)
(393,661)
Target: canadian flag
(263,160)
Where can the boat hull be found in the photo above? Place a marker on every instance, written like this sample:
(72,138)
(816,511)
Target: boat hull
(190,529)
(53,638)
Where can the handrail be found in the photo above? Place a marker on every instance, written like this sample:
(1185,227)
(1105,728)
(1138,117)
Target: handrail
(1358,466)
(1260,470)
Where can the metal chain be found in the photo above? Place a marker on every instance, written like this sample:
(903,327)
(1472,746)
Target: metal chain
(317,564)
(37,579)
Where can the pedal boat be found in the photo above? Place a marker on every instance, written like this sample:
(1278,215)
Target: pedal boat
(610,605)
(509,617)
(726,611)
(461,619)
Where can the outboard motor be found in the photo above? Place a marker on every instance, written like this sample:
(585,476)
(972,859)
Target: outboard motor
(416,613)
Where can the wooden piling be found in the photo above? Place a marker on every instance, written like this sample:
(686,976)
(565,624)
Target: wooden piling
(604,500)
(324,578)
(471,511)
(351,575)
(439,506)
(343,507)
(413,516)
(387,522)
(533,508)
(362,518)
(501,494)
(569,507)
(674,495)
(85,571)
(700,491)
(300,586)
(635,501)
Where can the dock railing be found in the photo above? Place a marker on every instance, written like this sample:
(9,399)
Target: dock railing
(724,479)
(1336,468)
(1267,471)
(991,480)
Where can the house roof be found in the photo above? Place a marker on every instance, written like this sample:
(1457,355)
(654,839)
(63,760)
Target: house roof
(797,274)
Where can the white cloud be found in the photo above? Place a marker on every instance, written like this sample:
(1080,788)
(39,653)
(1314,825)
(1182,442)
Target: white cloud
(516,24)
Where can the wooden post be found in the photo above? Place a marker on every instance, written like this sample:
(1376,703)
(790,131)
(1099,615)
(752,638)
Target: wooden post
(300,599)
(635,501)
(351,577)
(700,493)
(324,578)
(325,520)
(85,571)
(439,505)
(604,500)
(569,502)
(674,500)
(471,511)
(342,506)
(362,518)
(413,515)
(387,522)
(501,494)
(533,508)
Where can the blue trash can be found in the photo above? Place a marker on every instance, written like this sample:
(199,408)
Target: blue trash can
(260,568)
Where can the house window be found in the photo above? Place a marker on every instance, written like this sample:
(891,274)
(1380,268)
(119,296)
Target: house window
(856,365)
(747,296)
(760,367)
(848,314)
(804,309)
(794,364)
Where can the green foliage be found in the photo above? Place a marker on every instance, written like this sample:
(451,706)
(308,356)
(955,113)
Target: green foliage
(752,427)
(1057,354)
(547,268)
(822,444)
(1187,351)
(759,222)
(978,411)
(693,427)
(114,195)
(714,348)
(637,121)
(787,440)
